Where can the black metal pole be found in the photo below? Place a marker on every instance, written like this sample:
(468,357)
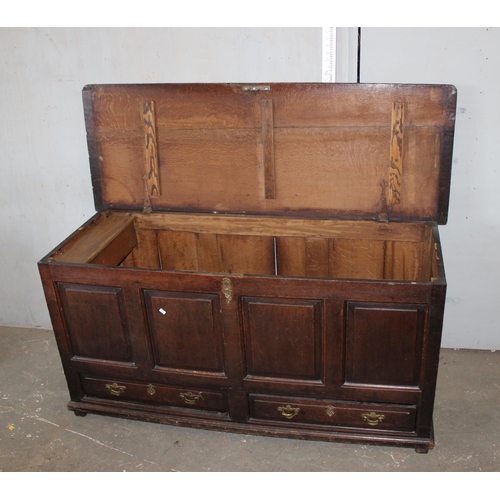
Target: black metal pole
(359,56)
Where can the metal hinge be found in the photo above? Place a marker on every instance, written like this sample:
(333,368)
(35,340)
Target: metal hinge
(256,88)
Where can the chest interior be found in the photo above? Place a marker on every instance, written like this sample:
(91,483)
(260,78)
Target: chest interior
(309,180)
(257,245)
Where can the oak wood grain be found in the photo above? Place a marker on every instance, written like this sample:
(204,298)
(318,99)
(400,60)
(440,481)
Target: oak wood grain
(303,149)
(281,226)
(396,159)
(151,175)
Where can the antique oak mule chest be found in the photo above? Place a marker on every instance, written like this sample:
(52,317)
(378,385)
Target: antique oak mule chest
(265,259)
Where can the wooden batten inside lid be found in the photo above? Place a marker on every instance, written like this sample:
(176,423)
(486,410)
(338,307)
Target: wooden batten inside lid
(366,151)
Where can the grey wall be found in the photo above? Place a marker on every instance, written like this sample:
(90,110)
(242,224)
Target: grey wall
(45,189)
(469,58)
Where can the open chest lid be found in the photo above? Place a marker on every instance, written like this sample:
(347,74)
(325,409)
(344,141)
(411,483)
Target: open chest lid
(356,151)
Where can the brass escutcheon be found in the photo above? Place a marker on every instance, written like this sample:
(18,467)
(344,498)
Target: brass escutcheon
(190,397)
(115,389)
(330,411)
(151,390)
(227,290)
(372,418)
(288,412)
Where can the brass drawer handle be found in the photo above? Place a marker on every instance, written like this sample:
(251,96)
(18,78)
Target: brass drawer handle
(190,397)
(115,389)
(330,411)
(151,390)
(288,412)
(372,418)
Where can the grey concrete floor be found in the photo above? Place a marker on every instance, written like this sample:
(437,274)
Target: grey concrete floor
(38,433)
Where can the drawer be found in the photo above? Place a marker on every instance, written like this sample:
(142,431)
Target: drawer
(333,413)
(153,394)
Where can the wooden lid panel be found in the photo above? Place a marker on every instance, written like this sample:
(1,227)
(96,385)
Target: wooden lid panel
(337,150)
(178,106)
(360,105)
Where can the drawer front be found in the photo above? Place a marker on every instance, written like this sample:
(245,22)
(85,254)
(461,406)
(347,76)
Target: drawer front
(333,413)
(154,394)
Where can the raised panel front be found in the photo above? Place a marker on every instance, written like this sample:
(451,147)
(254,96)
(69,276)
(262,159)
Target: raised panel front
(283,338)
(96,322)
(384,344)
(185,330)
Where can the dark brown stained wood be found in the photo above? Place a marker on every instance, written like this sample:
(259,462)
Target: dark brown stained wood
(268,148)
(157,394)
(185,330)
(396,162)
(377,333)
(280,286)
(431,357)
(332,413)
(434,262)
(273,287)
(260,428)
(96,322)
(268,262)
(330,144)
(53,298)
(151,176)
(238,404)
(292,333)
